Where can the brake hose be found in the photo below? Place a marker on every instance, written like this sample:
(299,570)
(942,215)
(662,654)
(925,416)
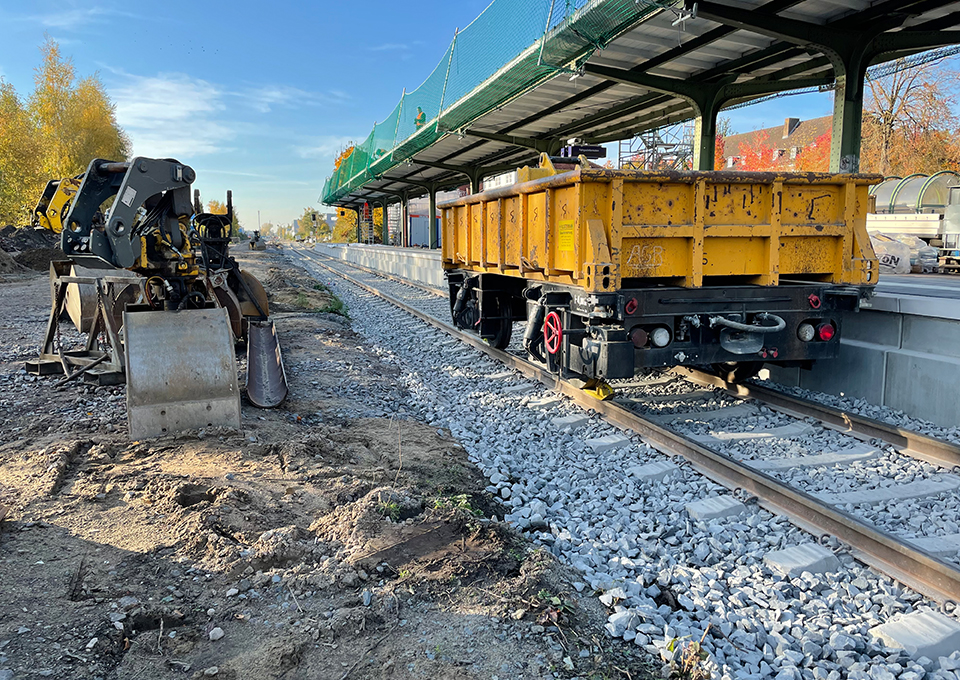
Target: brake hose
(737,326)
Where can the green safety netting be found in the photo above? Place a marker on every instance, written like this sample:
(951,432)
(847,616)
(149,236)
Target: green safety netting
(512,46)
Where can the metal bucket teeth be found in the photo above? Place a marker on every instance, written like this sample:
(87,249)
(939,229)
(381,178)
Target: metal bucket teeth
(266,379)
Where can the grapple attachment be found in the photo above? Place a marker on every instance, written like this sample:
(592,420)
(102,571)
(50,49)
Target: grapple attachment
(181,372)
(266,379)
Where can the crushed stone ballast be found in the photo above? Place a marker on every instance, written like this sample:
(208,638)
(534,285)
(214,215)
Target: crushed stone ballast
(609,504)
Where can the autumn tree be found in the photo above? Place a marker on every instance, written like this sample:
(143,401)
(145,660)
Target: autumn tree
(19,172)
(345,229)
(815,157)
(74,121)
(724,129)
(311,226)
(908,121)
(54,133)
(755,154)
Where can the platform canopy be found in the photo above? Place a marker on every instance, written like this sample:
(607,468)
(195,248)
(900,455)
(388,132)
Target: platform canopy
(528,76)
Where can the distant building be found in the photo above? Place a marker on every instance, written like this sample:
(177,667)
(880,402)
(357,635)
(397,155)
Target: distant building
(784,143)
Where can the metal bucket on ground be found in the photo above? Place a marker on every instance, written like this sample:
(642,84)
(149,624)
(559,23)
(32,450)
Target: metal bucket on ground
(266,378)
(181,372)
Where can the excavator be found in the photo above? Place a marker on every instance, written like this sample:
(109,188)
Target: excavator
(150,280)
(55,202)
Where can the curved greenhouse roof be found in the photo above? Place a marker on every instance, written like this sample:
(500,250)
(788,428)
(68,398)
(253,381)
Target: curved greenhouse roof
(916,193)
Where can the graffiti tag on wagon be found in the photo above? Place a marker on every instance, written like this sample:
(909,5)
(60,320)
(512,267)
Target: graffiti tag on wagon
(646,257)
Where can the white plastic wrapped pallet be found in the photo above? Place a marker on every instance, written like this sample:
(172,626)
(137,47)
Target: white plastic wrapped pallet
(894,256)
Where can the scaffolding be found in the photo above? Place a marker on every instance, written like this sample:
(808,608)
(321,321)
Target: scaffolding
(665,148)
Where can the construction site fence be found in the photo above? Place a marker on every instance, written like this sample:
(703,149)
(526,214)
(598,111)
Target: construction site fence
(511,47)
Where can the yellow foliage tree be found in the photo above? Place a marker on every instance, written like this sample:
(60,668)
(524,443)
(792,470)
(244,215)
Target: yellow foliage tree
(19,172)
(60,128)
(75,122)
(345,229)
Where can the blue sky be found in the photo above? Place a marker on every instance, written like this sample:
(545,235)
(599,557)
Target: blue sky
(258,97)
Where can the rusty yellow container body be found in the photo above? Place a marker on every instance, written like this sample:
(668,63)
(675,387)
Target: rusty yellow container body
(600,229)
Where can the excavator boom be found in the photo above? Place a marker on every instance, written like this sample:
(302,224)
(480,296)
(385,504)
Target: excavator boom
(175,325)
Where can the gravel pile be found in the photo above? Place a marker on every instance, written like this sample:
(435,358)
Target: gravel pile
(668,579)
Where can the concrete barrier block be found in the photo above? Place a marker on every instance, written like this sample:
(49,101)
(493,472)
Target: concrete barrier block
(939,337)
(859,371)
(924,385)
(873,327)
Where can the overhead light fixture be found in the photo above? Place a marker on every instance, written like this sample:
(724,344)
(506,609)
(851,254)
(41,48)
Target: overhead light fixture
(684,15)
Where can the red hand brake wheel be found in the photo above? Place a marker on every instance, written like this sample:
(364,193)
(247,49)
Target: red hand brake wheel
(552,332)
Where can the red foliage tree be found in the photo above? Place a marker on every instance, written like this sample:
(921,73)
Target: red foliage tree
(757,154)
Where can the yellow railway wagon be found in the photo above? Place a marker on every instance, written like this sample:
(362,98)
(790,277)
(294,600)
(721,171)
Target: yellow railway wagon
(615,270)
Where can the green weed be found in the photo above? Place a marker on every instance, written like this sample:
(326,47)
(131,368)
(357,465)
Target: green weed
(391,510)
(457,502)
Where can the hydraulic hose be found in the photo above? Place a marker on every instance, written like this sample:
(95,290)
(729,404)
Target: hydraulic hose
(737,326)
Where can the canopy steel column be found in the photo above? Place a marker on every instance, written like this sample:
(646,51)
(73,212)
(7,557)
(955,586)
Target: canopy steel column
(433,235)
(384,222)
(356,209)
(706,97)
(432,228)
(850,51)
(405,216)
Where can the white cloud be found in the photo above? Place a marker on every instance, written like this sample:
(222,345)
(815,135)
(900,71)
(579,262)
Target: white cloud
(172,114)
(265,98)
(73,19)
(389,47)
(322,147)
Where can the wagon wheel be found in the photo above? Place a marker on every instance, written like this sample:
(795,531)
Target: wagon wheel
(501,340)
(738,372)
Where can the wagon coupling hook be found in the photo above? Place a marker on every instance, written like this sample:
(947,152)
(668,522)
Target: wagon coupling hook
(763,316)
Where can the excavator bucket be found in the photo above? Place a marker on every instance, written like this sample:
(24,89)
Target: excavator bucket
(181,372)
(266,379)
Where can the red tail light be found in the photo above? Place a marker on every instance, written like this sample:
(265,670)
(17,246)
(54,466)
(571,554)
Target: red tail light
(826,331)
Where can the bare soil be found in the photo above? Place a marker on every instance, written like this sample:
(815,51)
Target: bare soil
(334,537)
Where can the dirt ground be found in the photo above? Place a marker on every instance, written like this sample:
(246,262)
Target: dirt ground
(334,537)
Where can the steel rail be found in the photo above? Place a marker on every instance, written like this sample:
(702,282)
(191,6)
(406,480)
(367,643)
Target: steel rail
(911,566)
(914,444)
(399,279)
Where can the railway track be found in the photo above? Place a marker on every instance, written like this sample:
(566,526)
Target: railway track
(717,430)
